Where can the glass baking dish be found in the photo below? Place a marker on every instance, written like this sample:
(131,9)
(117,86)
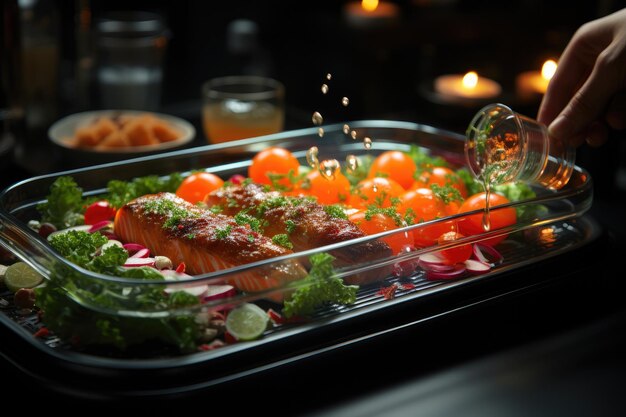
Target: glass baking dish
(18,206)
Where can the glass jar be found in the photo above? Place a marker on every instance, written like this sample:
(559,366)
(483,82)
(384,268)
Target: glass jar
(504,146)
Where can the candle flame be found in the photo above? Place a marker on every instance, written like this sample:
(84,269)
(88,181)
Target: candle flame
(548,69)
(369,5)
(470,80)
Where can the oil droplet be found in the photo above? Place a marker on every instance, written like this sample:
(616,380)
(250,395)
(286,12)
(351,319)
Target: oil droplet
(353,134)
(353,163)
(311,157)
(345,101)
(329,76)
(486,216)
(328,168)
(346,129)
(317,118)
(320,132)
(367,143)
(324,88)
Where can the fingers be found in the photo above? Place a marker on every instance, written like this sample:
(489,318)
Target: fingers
(616,113)
(590,101)
(597,133)
(575,66)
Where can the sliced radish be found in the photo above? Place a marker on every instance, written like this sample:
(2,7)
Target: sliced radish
(171,275)
(133,247)
(431,258)
(456,272)
(141,253)
(197,290)
(100,225)
(476,267)
(216,292)
(493,256)
(134,262)
(436,267)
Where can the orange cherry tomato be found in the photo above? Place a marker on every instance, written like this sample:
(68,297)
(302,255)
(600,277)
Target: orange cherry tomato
(498,217)
(327,190)
(378,191)
(380,222)
(396,165)
(421,205)
(273,162)
(197,185)
(441,176)
(455,254)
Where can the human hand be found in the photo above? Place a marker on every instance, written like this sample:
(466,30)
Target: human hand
(587,94)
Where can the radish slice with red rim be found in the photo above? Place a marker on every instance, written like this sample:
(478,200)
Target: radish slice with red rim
(457,271)
(431,258)
(480,251)
(197,290)
(476,267)
(141,253)
(133,247)
(134,262)
(103,224)
(215,292)
(440,267)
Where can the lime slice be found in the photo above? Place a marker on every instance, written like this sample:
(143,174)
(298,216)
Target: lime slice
(247,322)
(21,275)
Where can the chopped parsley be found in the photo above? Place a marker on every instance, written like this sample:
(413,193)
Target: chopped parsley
(335,211)
(223,233)
(282,240)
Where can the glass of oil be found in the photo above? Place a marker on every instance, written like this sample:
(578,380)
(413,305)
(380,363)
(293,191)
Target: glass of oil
(504,146)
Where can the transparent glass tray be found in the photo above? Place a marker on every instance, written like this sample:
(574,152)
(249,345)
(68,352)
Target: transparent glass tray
(18,206)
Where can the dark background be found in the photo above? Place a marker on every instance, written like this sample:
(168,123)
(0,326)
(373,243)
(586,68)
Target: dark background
(387,73)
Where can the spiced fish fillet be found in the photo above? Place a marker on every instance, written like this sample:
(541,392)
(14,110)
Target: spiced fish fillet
(307,224)
(204,241)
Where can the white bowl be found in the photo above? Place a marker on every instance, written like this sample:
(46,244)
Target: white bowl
(62,132)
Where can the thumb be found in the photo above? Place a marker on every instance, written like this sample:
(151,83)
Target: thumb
(586,106)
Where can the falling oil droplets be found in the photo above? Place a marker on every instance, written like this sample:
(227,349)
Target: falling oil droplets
(329,76)
(345,101)
(328,168)
(353,134)
(353,163)
(320,132)
(324,88)
(317,118)
(486,216)
(367,143)
(311,157)
(346,129)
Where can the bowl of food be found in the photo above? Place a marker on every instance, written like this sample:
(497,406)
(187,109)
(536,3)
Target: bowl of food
(109,135)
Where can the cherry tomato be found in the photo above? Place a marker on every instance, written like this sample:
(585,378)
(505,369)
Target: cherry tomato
(379,222)
(327,190)
(395,165)
(196,186)
(441,176)
(378,191)
(455,254)
(273,161)
(498,217)
(421,205)
(99,211)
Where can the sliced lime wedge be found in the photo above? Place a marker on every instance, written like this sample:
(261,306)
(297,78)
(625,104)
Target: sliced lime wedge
(247,322)
(21,275)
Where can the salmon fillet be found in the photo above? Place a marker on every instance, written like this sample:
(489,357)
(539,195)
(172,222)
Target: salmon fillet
(204,241)
(307,224)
